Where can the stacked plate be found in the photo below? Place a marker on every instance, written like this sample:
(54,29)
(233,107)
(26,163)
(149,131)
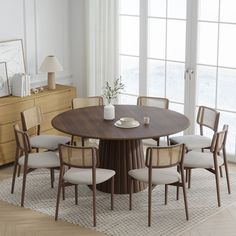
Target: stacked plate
(127,123)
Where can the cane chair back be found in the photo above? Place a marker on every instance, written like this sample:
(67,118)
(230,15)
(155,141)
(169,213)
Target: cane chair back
(153,101)
(208,117)
(31,118)
(164,157)
(79,157)
(22,139)
(87,102)
(219,140)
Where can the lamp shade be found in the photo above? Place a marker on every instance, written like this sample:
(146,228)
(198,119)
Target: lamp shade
(51,64)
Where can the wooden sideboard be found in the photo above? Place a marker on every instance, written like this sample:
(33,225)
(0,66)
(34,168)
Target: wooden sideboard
(51,102)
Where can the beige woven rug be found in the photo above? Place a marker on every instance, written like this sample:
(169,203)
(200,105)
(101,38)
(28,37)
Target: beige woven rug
(166,220)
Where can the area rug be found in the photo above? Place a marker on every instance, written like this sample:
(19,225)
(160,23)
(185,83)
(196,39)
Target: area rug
(166,219)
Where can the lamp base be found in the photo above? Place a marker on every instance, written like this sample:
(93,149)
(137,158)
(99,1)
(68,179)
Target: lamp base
(51,80)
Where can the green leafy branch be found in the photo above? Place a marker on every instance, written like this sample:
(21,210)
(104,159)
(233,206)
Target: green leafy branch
(110,92)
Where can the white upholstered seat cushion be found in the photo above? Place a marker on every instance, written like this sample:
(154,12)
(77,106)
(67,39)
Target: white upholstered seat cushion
(195,159)
(159,176)
(84,176)
(49,142)
(41,160)
(192,141)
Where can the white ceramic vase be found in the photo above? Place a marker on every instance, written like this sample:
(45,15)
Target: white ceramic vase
(109,112)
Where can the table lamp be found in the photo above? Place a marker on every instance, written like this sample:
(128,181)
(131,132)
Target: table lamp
(51,65)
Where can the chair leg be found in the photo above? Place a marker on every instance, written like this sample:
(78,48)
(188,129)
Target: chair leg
(112,193)
(23,186)
(226,171)
(19,170)
(59,193)
(166,193)
(177,193)
(149,204)
(168,140)
(218,188)
(94,205)
(72,140)
(52,177)
(221,172)
(19,167)
(76,194)
(217,180)
(158,142)
(83,142)
(14,176)
(186,177)
(184,193)
(189,178)
(130,192)
(177,188)
(63,191)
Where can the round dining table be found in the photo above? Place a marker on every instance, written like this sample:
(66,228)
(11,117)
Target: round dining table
(120,149)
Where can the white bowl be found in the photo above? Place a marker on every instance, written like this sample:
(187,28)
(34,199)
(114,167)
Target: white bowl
(126,120)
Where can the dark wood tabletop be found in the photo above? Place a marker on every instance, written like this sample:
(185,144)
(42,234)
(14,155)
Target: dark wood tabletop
(120,149)
(89,123)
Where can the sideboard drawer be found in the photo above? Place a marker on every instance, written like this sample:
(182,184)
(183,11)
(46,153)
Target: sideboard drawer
(7,152)
(7,133)
(11,112)
(52,103)
(55,102)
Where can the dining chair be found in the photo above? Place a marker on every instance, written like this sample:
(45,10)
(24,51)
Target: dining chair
(211,160)
(81,163)
(161,169)
(28,160)
(154,102)
(81,102)
(31,120)
(206,118)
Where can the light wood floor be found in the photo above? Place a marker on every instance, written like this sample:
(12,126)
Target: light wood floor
(16,221)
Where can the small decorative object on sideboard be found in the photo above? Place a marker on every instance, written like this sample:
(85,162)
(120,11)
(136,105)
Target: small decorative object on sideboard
(51,65)
(4,85)
(21,85)
(111,93)
(37,90)
(34,90)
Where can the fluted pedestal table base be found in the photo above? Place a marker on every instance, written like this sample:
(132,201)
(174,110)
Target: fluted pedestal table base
(121,156)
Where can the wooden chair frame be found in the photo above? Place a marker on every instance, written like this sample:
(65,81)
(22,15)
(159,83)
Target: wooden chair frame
(151,186)
(75,106)
(166,106)
(23,148)
(200,117)
(76,100)
(63,184)
(164,100)
(37,126)
(216,147)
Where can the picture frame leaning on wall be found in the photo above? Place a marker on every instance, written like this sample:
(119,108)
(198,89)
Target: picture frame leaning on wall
(12,52)
(4,83)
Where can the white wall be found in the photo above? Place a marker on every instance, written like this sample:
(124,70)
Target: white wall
(78,45)
(44,26)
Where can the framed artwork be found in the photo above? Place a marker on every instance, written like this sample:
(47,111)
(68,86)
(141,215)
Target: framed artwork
(4,85)
(11,52)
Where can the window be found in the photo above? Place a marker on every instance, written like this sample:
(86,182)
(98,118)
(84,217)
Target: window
(160,40)
(216,63)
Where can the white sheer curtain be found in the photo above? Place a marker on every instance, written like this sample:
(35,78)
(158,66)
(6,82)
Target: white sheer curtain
(101,44)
